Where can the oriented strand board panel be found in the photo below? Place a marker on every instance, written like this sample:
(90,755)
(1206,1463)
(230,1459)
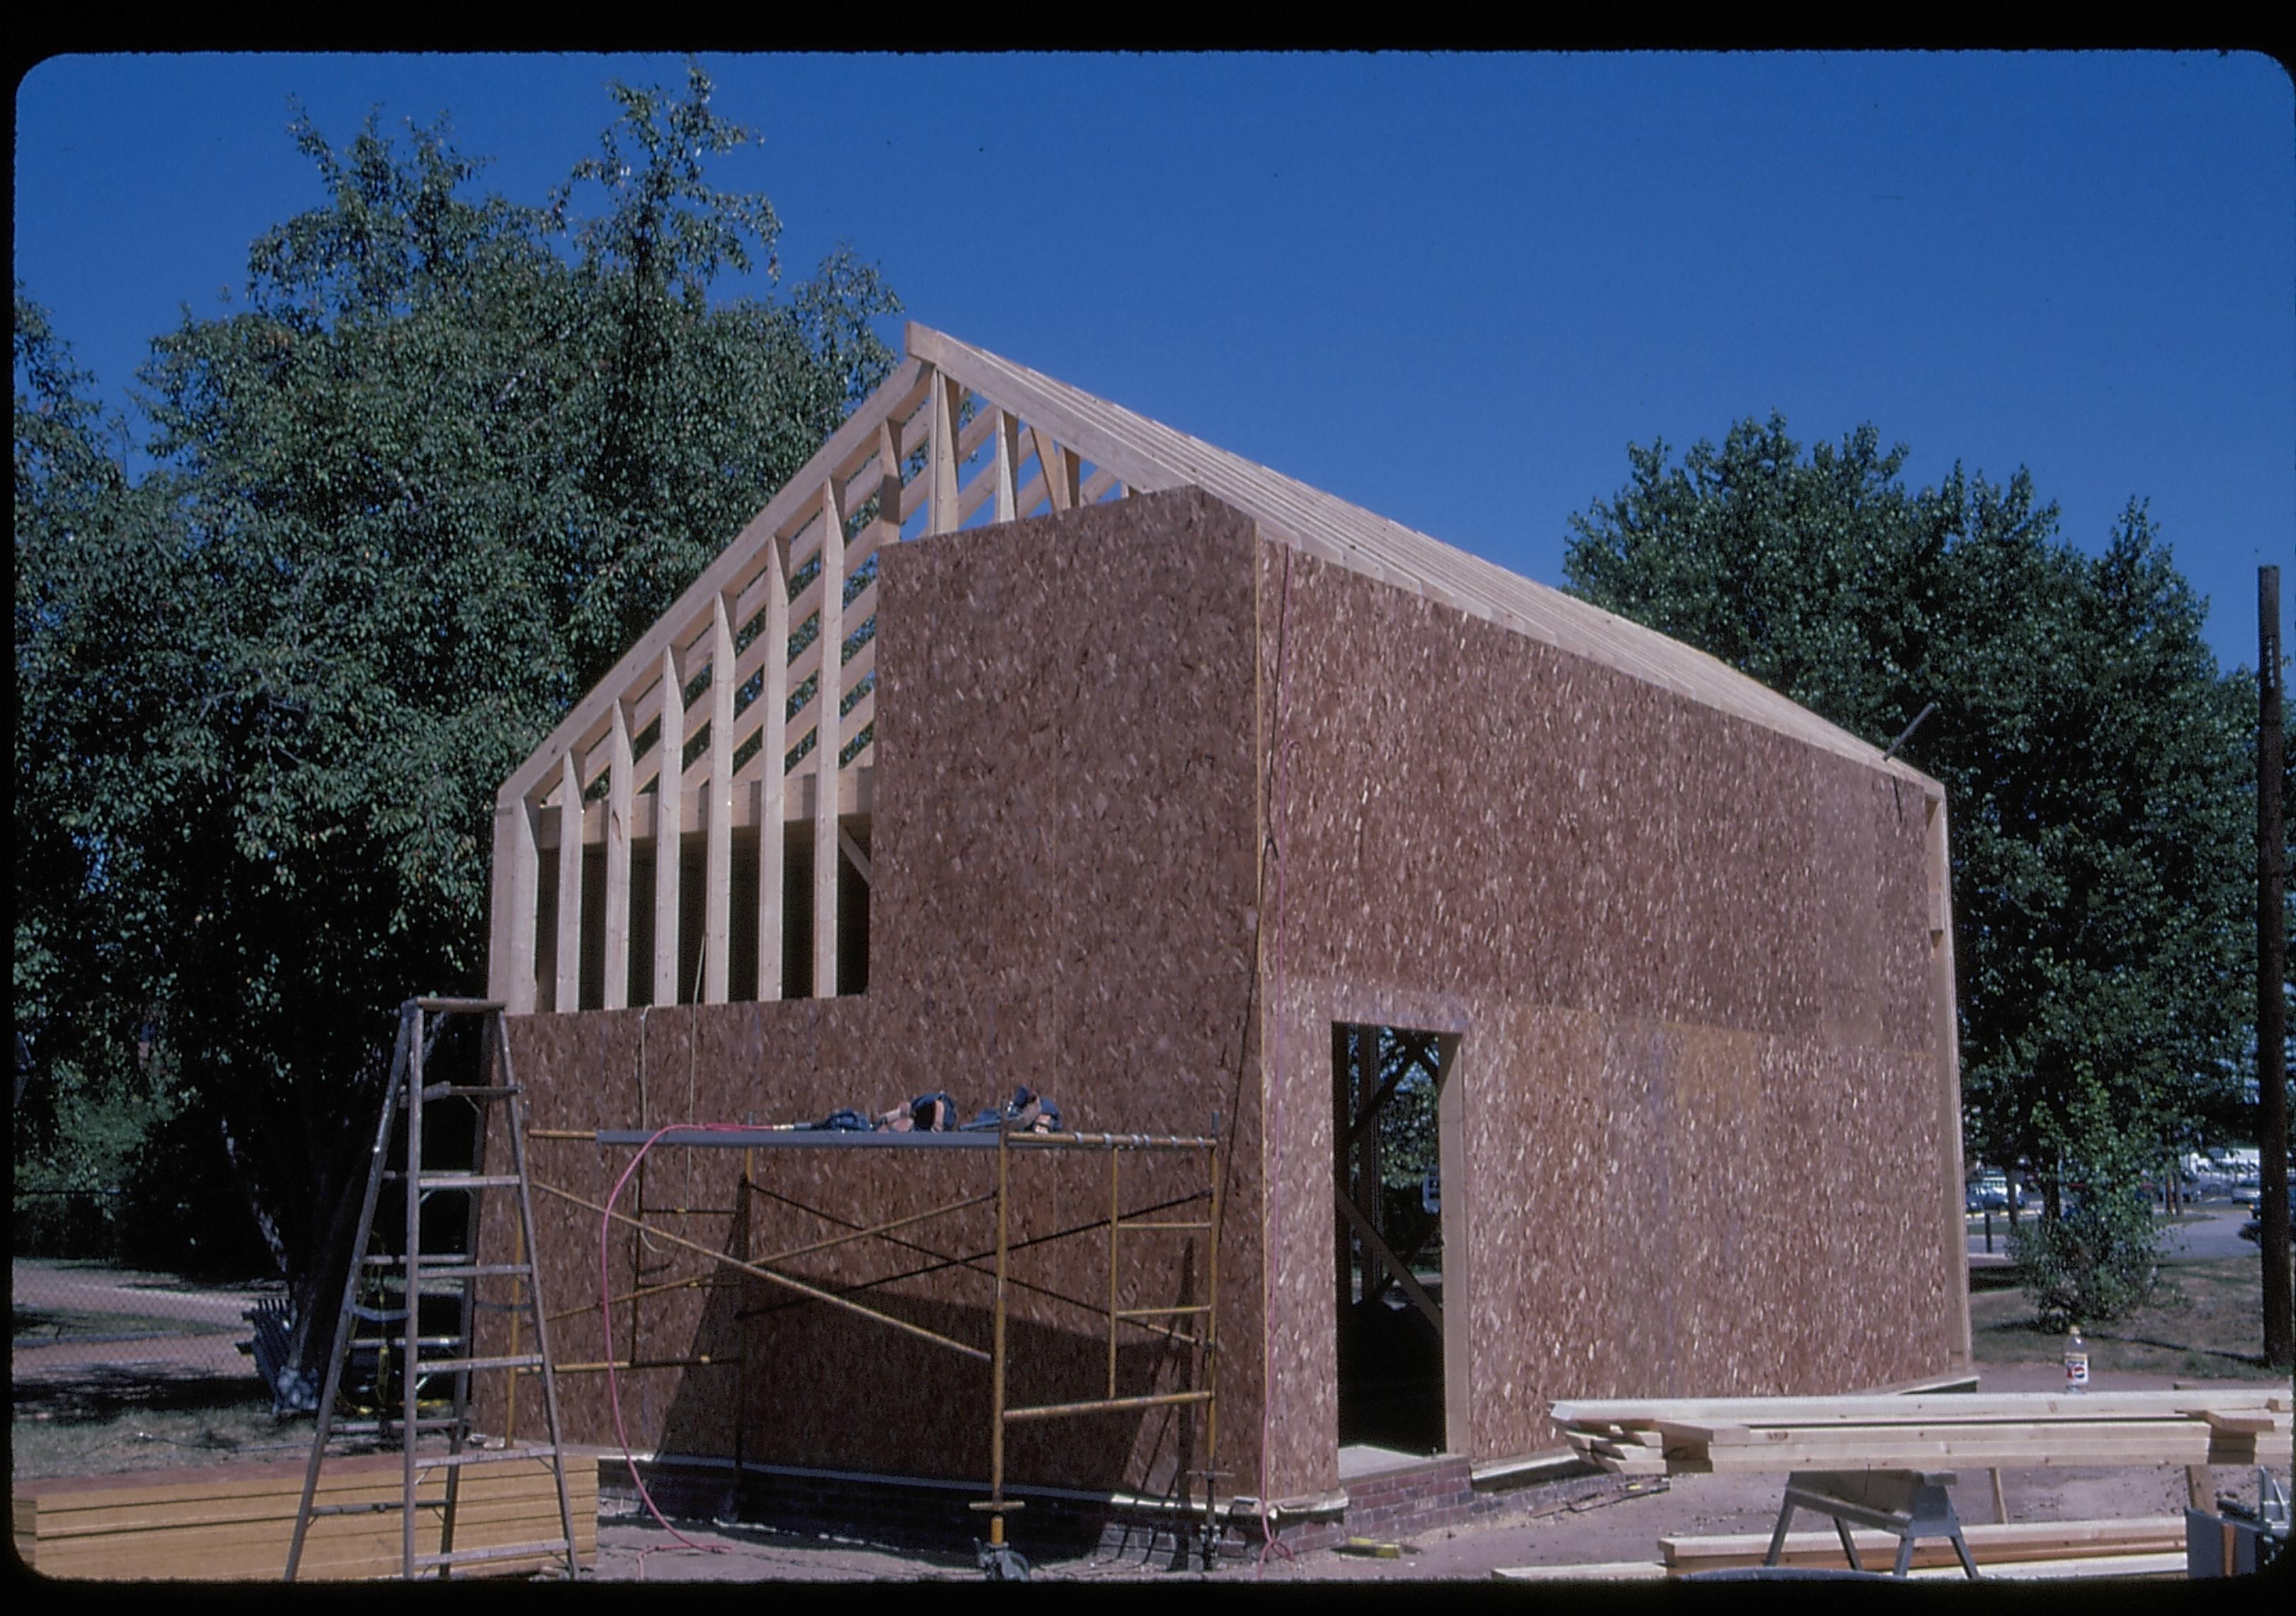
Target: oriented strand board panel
(1689,959)
(1685,957)
(1064,865)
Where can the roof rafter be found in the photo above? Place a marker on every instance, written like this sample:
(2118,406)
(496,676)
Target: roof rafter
(956,437)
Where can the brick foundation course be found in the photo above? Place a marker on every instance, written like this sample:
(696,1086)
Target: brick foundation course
(936,1516)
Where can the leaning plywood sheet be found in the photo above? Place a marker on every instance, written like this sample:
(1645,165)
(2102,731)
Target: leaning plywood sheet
(234,1522)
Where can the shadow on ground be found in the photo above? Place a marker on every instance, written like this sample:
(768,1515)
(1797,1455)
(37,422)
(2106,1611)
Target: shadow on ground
(98,1392)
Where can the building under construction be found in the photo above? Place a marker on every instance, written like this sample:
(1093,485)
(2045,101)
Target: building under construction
(1217,809)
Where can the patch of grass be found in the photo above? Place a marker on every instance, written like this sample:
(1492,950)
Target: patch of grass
(214,1424)
(2203,1320)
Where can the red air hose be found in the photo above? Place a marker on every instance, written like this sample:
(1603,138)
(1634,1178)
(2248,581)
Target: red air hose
(606,1324)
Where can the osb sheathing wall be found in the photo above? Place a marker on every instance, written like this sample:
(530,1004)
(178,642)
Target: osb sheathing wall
(1064,870)
(1710,1123)
(1712,1142)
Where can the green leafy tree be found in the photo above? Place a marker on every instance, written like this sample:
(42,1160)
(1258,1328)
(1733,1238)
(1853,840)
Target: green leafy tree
(2097,766)
(410,500)
(88,584)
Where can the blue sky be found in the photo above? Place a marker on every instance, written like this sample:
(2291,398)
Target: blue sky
(1451,289)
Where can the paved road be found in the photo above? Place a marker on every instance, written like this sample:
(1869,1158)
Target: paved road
(83,1289)
(2217,1235)
(141,1349)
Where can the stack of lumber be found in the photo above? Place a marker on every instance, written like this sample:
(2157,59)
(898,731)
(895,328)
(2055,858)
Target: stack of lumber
(235,1521)
(2016,1430)
(2025,1543)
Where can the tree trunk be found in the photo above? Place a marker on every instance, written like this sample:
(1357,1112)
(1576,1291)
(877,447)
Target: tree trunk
(2271,982)
(310,1237)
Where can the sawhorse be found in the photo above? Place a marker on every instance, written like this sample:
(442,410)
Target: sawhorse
(1909,1504)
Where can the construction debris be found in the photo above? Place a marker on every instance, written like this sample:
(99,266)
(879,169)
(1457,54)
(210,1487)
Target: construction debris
(1372,1548)
(1027,1112)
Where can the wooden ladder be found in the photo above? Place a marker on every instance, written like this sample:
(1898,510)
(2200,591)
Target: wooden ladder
(449,1274)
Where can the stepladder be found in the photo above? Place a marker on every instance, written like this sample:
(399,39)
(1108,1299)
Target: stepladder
(407,1335)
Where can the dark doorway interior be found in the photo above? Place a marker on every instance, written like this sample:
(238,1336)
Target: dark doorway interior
(1388,1248)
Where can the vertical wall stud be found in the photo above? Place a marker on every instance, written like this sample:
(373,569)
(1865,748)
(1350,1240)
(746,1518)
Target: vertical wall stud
(829,740)
(620,770)
(1008,456)
(568,996)
(942,402)
(772,753)
(517,888)
(668,831)
(717,882)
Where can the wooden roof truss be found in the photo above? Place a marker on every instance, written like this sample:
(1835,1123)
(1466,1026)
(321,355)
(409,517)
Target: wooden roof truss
(802,575)
(955,437)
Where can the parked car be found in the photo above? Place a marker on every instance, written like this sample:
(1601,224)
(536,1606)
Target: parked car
(2252,1230)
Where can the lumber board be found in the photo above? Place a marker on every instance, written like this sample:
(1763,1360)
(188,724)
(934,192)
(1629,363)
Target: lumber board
(856,793)
(2165,1565)
(2016,1430)
(2029,1541)
(999,479)
(1954,1380)
(621,777)
(941,462)
(718,822)
(567,993)
(259,1548)
(1056,469)
(229,1485)
(515,885)
(1602,1571)
(669,813)
(2234,1423)
(772,771)
(795,671)
(829,738)
(177,1514)
(734,567)
(1935,1455)
(2134,1433)
(235,1522)
(2014,1404)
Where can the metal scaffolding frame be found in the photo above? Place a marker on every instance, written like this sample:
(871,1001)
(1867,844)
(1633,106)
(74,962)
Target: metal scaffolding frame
(1203,1340)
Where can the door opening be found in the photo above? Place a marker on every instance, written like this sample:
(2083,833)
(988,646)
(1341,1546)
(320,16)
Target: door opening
(1387,1088)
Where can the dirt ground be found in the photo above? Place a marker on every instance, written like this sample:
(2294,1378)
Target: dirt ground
(631,1547)
(168,1387)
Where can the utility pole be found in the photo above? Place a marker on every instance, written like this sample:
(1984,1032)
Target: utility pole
(2271,973)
